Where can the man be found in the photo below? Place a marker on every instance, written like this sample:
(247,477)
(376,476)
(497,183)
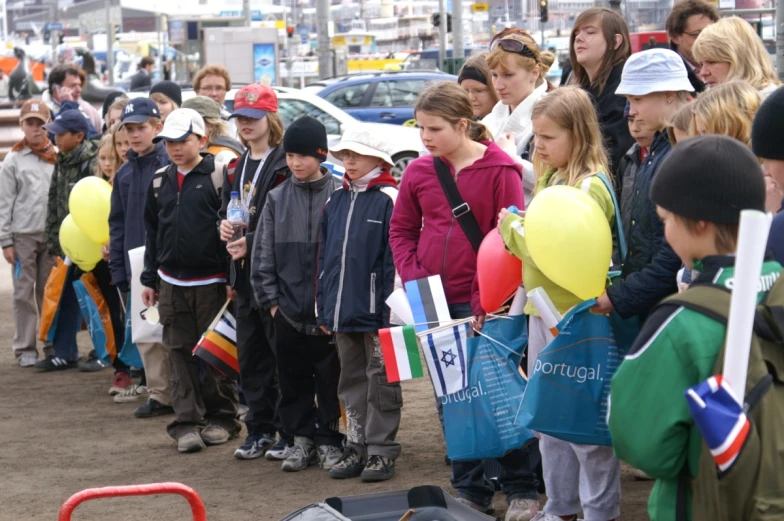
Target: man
(214,82)
(65,90)
(684,24)
(143,77)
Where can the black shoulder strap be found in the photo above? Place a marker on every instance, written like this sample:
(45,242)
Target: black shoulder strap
(460,209)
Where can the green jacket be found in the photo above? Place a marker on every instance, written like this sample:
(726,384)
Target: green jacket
(649,417)
(69,169)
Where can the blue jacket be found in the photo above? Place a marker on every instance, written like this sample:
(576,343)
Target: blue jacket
(72,105)
(356,270)
(126,218)
(651,266)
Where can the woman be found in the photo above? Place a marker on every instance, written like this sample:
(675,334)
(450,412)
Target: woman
(731,50)
(599,47)
(487,180)
(516,67)
(476,80)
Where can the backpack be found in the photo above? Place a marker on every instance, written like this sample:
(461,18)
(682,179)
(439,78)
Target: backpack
(752,489)
(216,176)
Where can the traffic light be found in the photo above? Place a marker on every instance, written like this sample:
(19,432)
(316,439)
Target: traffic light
(449,22)
(290,31)
(543,11)
(436,19)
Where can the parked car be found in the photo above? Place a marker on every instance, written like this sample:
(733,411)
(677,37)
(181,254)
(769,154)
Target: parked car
(383,97)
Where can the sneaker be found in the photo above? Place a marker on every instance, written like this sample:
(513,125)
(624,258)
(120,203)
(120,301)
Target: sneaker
(28,360)
(190,442)
(280,451)
(328,455)
(255,446)
(214,435)
(152,407)
(479,508)
(350,465)
(640,475)
(378,468)
(133,393)
(120,383)
(541,516)
(54,363)
(522,510)
(93,364)
(302,455)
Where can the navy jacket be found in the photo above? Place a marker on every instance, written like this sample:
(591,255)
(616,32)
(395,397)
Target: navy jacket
(72,105)
(651,266)
(356,269)
(776,237)
(126,218)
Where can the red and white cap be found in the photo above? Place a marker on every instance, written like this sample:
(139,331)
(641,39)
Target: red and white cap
(254,101)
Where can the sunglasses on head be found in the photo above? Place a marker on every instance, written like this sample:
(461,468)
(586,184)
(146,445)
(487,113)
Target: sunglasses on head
(516,46)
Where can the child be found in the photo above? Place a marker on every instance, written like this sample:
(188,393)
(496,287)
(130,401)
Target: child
(766,144)
(27,170)
(141,122)
(185,272)
(355,229)
(259,170)
(307,360)
(678,128)
(569,152)
(168,96)
(75,161)
(219,141)
(630,164)
(728,110)
(699,191)
(107,164)
(114,111)
(121,144)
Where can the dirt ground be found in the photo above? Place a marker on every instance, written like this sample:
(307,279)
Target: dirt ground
(61,433)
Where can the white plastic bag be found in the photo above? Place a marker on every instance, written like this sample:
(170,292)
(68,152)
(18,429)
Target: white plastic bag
(143,332)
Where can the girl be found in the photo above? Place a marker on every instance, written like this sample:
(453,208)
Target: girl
(731,50)
(114,113)
(427,241)
(219,141)
(121,144)
(167,95)
(476,80)
(107,163)
(517,77)
(679,127)
(599,46)
(569,151)
(727,109)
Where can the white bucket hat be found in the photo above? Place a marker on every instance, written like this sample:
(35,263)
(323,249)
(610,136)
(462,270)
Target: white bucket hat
(359,139)
(654,70)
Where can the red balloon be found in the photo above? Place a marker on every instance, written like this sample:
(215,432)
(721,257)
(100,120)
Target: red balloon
(500,273)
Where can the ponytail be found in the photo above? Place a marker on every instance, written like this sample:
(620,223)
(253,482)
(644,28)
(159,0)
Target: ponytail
(478,131)
(449,101)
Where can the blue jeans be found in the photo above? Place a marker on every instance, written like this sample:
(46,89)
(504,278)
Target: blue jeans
(69,321)
(517,468)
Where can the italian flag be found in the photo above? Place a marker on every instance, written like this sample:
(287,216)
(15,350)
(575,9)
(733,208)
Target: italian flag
(401,353)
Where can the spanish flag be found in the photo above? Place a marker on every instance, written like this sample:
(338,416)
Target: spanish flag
(218,345)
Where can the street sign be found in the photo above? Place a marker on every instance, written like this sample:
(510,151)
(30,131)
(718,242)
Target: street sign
(54,26)
(480,7)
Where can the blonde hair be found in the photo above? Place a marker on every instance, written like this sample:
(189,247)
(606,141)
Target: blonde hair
(276,131)
(120,104)
(682,120)
(571,109)
(548,59)
(160,97)
(734,41)
(449,101)
(114,131)
(218,128)
(503,59)
(107,140)
(728,110)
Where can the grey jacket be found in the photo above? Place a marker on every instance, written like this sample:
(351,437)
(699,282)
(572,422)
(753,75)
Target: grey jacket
(24,193)
(284,265)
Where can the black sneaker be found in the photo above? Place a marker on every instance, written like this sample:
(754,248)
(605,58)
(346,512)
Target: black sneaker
(93,364)
(349,466)
(152,408)
(280,451)
(378,468)
(55,363)
(255,446)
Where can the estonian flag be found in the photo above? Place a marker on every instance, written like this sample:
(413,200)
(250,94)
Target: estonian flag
(218,345)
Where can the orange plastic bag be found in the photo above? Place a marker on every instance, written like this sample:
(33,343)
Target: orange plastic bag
(53,292)
(91,285)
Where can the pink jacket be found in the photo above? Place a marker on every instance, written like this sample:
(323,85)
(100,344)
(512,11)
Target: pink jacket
(427,240)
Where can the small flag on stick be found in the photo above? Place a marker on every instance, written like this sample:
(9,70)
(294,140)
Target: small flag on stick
(428,303)
(218,345)
(447,361)
(400,349)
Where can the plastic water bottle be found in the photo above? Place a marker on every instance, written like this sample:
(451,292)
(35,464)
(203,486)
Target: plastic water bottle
(235,214)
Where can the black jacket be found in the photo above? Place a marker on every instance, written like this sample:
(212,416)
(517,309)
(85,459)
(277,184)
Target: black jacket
(182,232)
(140,80)
(615,128)
(695,80)
(624,183)
(651,265)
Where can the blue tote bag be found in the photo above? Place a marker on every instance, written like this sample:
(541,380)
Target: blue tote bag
(130,352)
(567,392)
(479,420)
(95,323)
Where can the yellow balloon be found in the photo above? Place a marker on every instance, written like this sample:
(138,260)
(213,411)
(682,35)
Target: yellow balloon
(569,239)
(89,204)
(78,246)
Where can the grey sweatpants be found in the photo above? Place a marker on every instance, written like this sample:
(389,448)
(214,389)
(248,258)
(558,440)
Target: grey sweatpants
(371,403)
(577,477)
(36,263)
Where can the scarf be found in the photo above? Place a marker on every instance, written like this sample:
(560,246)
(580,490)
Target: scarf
(500,121)
(45,151)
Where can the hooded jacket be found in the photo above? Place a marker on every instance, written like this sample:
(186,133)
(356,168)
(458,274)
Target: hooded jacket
(356,269)
(24,184)
(126,218)
(285,275)
(440,247)
(624,185)
(70,168)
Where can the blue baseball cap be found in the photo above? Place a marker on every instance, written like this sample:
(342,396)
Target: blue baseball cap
(139,110)
(68,121)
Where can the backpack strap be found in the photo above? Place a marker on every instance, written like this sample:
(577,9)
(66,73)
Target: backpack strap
(157,180)
(460,209)
(217,176)
(622,248)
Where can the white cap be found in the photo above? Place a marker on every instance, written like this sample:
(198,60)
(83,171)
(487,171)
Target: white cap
(180,124)
(654,70)
(360,140)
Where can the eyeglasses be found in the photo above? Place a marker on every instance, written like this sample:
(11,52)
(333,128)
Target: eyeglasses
(515,46)
(477,92)
(212,88)
(694,34)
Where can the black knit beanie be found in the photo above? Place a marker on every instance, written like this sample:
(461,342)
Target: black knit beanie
(306,136)
(109,100)
(769,121)
(709,178)
(170,89)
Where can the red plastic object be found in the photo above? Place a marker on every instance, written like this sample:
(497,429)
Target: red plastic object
(152,489)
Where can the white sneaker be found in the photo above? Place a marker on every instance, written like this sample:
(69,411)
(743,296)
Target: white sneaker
(328,455)
(28,360)
(133,393)
(541,516)
(525,510)
(302,455)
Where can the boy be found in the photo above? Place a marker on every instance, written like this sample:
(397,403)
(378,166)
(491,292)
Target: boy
(307,361)
(26,173)
(141,121)
(355,226)
(75,161)
(767,145)
(185,262)
(699,191)
(629,165)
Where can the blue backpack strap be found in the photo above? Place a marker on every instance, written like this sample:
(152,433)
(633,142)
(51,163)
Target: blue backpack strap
(618,222)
